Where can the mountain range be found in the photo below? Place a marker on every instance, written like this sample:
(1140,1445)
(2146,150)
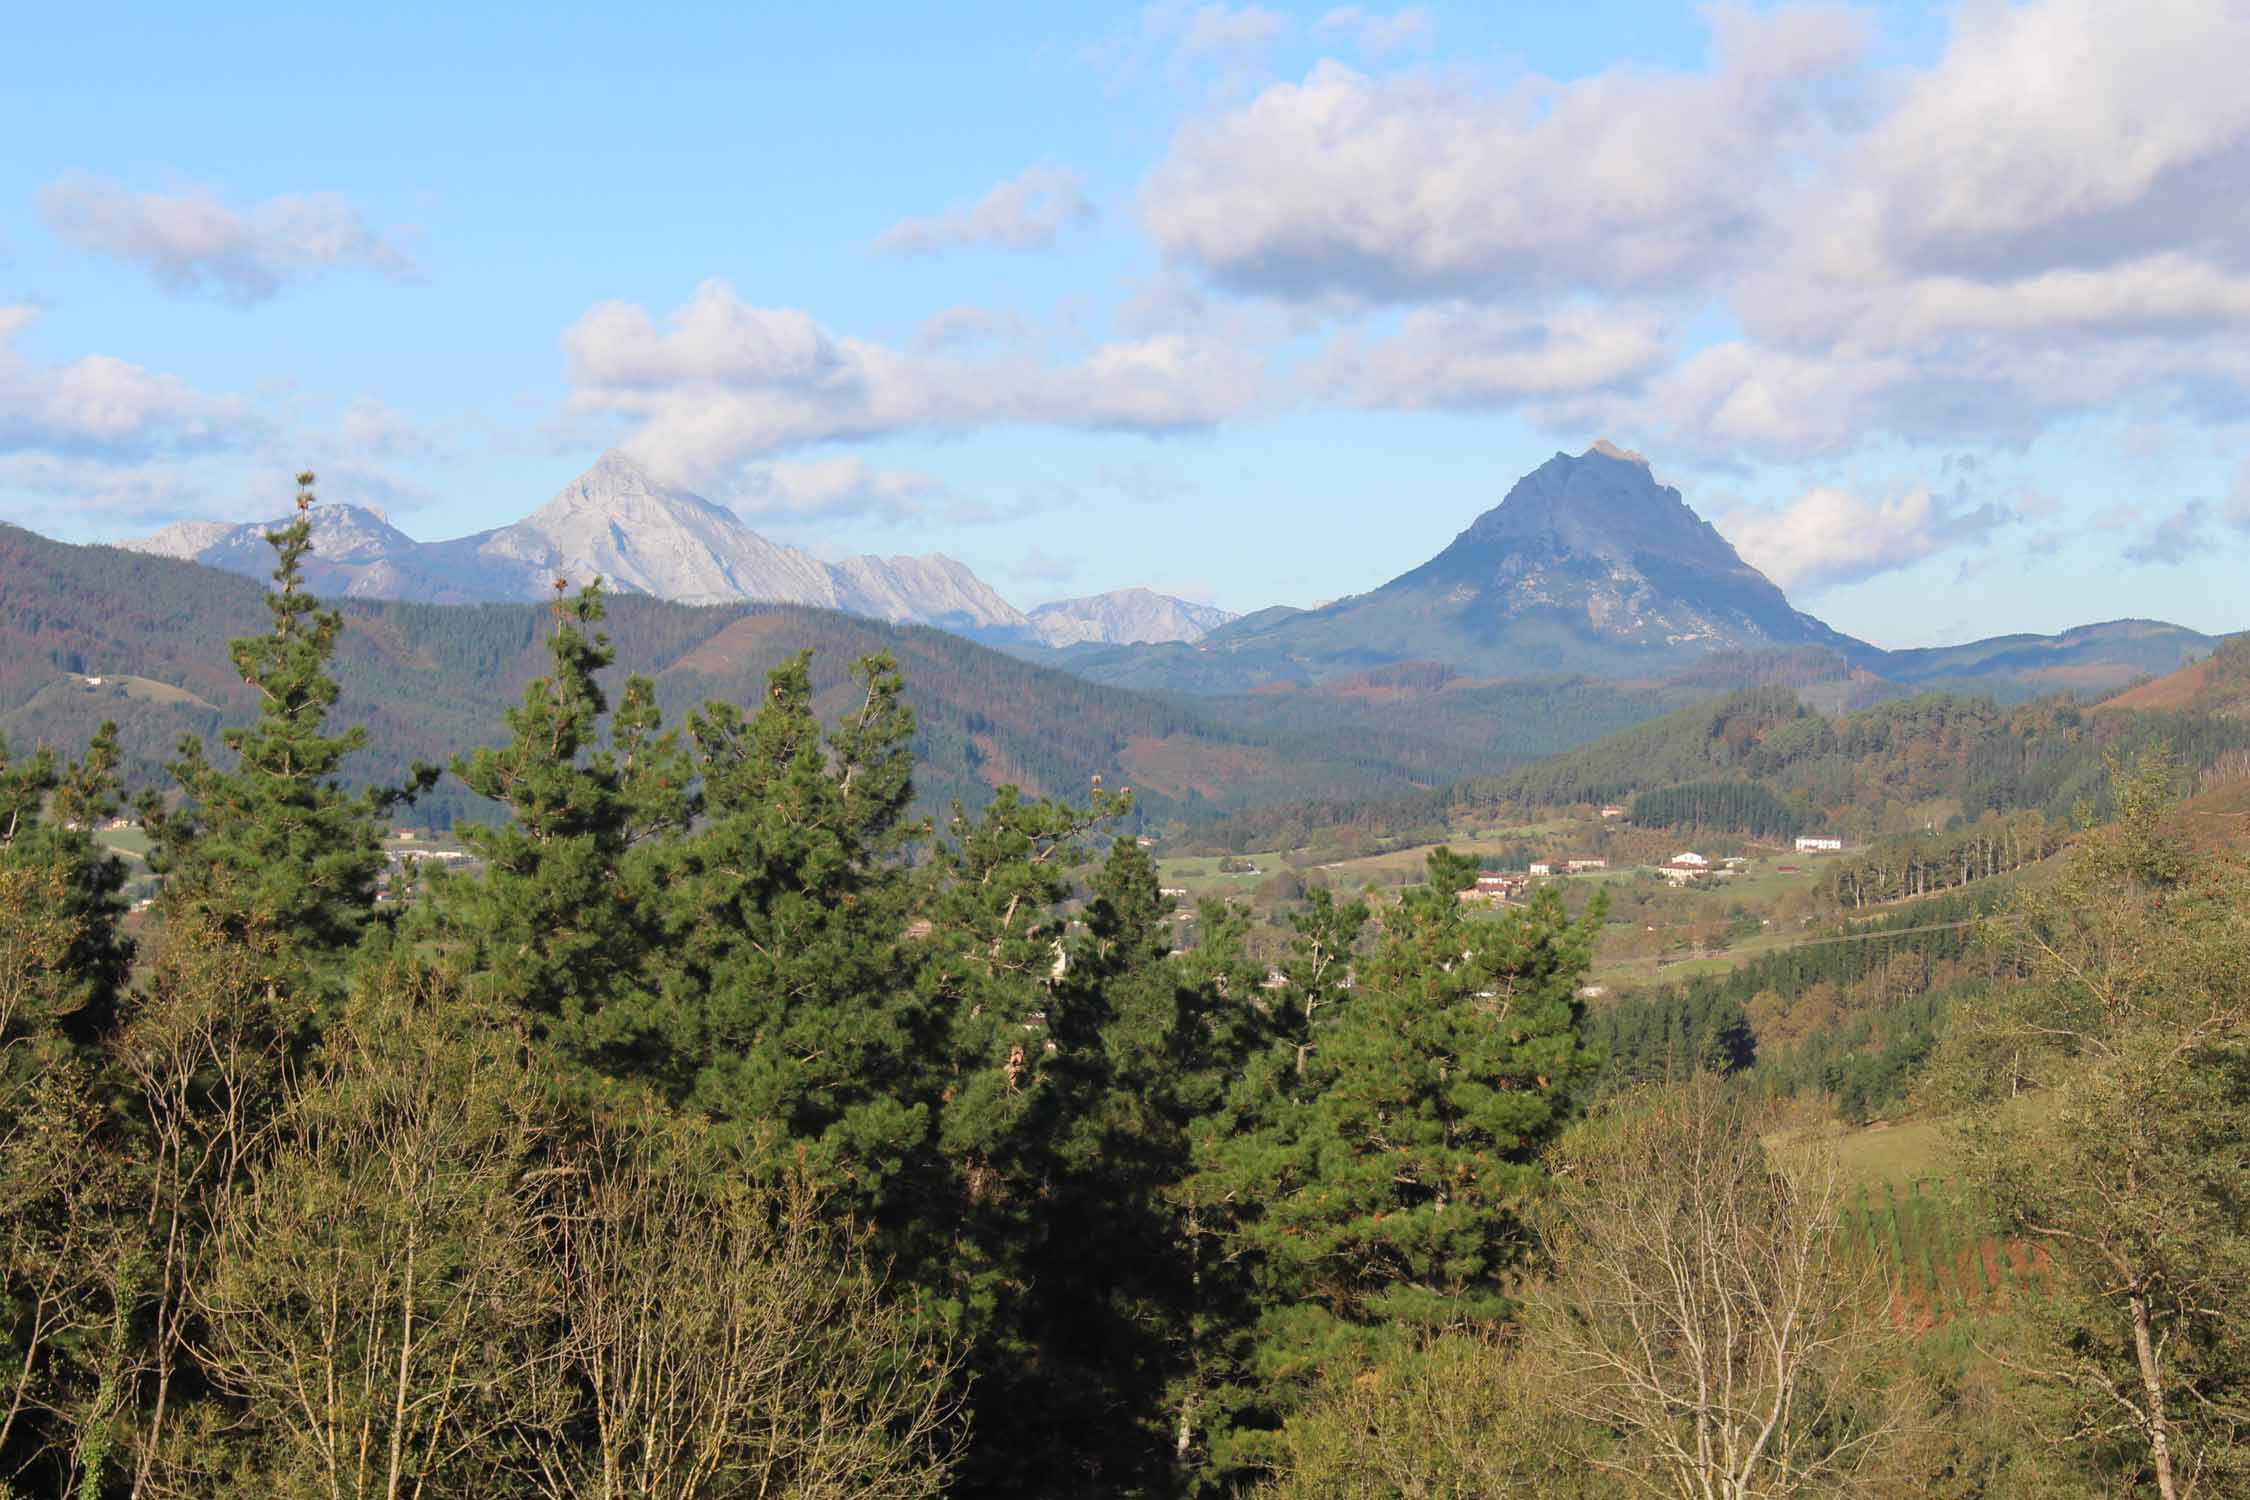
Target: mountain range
(641,536)
(1588,566)
(90,633)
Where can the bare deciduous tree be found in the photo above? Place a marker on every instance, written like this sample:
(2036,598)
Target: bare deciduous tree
(367,1293)
(201,1055)
(1701,1310)
(716,1337)
(2107,1116)
(57,1184)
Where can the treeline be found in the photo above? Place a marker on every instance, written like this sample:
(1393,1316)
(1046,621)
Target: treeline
(1863,771)
(1851,1015)
(733,1131)
(427,681)
(1687,745)
(1723,806)
(1908,868)
(736,1131)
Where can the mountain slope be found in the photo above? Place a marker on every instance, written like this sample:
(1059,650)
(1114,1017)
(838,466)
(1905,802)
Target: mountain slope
(932,590)
(429,681)
(1587,565)
(1125,617)
(617,523)
(2218,684)
(639,536)
(2086,659)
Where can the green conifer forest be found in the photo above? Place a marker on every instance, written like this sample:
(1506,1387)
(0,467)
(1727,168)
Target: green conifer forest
(740,1122)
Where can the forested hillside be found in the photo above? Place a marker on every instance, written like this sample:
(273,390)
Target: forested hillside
(725,1130)
(430,680)
(1852,1014)
(1887,768)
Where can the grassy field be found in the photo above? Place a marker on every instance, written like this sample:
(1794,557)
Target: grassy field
(1902,1153)
(131,841)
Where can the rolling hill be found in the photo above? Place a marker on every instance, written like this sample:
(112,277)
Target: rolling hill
(429,680)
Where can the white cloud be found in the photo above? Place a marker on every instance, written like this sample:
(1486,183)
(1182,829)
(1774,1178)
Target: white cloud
(103,407)
(1223,45)
(2047,131)
(120,494)
(828,488)
(375,430)
(2186,533)
(960,326)
(1025,212)
(2050,218)
(188,238)
(1376,34)
(1827,536)
(97,442)
(1470,358)
(721,382)
(1411,187)
(1231,29)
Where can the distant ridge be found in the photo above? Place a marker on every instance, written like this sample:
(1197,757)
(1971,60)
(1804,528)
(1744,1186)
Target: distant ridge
(1125,617)
(1587,565)
(617,522)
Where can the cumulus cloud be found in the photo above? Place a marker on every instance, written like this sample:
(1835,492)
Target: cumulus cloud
(959,326)
(1185,42)
(1376,34)
(832,488)
(1828,537)
(1471,358)
(145,494)
(1409,187)
(720,382)
(97,442)
(187,239)
(2077,116)
(97,406)
(1025,212)
(2049,218)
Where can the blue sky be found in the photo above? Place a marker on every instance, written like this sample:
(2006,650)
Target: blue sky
(1938,312)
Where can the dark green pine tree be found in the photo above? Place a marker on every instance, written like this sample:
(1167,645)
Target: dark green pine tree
(976,1226)
(1252,1147)
(786,996)
(564,918)
(1438,1089)
(1382,1160)
(48,815)
(1146,1042)
(272,851)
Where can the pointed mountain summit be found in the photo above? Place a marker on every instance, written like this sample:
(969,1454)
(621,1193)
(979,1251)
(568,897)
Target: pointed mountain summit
(620,523)
(1595,540)
(616,522)
(1588,565)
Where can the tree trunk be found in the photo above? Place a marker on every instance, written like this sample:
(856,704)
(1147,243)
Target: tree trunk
(2152,1382)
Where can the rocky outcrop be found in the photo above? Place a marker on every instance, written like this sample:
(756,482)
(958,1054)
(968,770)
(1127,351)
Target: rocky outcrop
(617,523)
(1125,617)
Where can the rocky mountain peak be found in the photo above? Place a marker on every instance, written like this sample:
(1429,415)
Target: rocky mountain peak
(1125,617)
(1594,540)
